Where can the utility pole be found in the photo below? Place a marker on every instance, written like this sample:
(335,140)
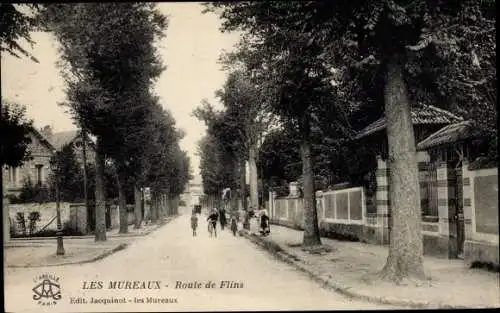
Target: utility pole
(55,171)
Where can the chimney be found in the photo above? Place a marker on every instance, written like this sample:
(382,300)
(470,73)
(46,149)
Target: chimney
(47,132)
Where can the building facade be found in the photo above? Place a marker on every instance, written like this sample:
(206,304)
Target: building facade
(44,143)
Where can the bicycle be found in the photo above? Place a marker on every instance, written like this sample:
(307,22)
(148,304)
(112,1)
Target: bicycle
(211,229)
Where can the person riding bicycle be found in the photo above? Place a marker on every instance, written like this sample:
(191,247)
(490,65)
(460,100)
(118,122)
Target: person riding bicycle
(212,220)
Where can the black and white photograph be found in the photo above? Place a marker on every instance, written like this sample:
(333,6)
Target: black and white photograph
(249,156)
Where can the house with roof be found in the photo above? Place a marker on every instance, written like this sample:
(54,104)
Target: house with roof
(466,205)
(36,169)
(459,199)
(426,119)
(73,138)
(43,145)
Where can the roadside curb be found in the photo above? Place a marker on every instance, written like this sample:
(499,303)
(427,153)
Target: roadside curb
(291,259)
(106,253)
(101,256)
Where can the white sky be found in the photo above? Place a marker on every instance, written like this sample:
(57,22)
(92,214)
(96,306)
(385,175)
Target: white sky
(190,50)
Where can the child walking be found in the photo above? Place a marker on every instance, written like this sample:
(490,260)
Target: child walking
(194,222)
(234,224)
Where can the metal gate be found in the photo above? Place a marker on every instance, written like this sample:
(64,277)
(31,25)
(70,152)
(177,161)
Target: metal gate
(459,207)
(430,205)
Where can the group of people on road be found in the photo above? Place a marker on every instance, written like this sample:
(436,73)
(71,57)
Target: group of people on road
(215,216)
(219,215)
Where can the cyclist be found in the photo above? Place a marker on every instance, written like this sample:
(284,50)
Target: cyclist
(212,221)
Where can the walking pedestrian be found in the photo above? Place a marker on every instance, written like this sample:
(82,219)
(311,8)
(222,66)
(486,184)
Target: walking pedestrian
(264,223)
(222,218)
(234,224)
(194,222)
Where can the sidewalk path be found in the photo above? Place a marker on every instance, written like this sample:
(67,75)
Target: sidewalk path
(254,280)
(452,284)
(41,252)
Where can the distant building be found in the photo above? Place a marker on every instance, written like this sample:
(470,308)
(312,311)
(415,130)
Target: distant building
(192,193)
(73,137)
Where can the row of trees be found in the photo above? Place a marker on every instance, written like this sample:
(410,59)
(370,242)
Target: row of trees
(233,136)
(110,62)
(325,68)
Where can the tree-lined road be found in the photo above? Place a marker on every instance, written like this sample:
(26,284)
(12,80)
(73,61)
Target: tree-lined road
(255,280)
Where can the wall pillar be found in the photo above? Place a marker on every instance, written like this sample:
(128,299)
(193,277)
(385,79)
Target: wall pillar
(6,220)
(115,215)
(382,200)
(446,195)
(467,195)
(271,204)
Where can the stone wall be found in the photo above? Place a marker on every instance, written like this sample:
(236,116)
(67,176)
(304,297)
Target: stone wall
(480,189)
(78,218)
(47,215)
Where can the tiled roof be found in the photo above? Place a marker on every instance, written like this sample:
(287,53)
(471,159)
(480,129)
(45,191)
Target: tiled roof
(60,139)
(42,138)
(420,114)
(450,134)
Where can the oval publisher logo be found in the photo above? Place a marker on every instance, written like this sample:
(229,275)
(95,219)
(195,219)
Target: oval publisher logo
(47,289)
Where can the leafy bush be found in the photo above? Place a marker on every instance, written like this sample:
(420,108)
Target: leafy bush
(33,217)
(13,198)
(21,222)
(33,193)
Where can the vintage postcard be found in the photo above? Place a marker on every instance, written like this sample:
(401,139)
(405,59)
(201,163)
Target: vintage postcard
(249,156)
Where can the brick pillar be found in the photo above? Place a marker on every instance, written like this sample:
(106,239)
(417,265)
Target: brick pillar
(319,205)
(445,193)
(115,215)
(271,204)
(467,195)
(443,189)
(382,200)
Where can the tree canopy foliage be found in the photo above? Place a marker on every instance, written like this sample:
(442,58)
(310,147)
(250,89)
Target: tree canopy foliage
(110,63)
(323,61)
(16,23)
(14,149)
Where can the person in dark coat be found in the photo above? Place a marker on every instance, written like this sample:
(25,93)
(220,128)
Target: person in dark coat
(222,218)
(194,222)
(264,223)
(234,224)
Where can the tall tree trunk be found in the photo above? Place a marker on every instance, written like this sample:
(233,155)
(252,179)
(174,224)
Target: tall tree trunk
(122,202)
(167,201)
(100,194)
(154,207)
(252,165)
(405,258)
(176,203)
(311,228)
(138,206)
(85,181)
(165,206)
(246,221)
(160,206)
